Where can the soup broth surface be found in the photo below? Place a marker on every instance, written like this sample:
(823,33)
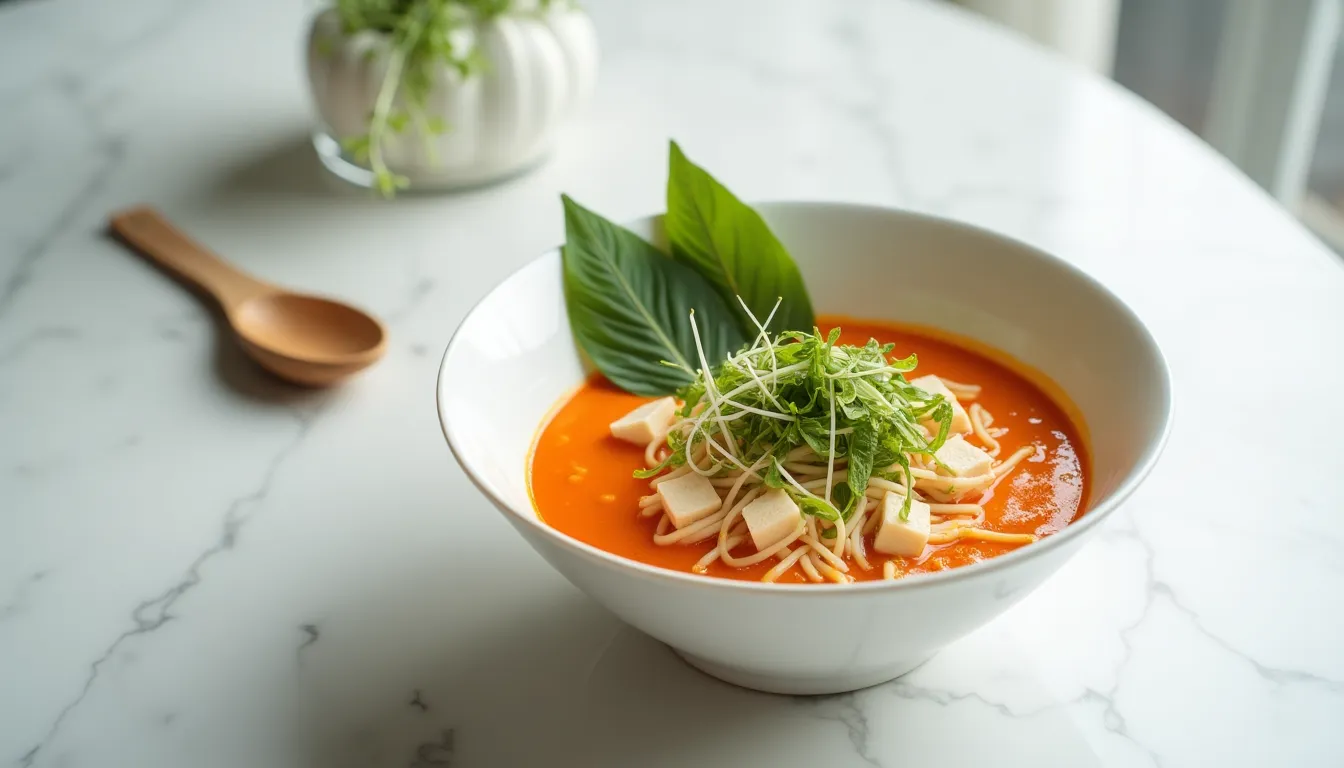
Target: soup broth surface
(582,484)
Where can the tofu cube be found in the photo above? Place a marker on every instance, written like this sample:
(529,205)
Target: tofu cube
(895,536)
(963,459)
(688,498)
(770,517)
(961,421)
(646,422)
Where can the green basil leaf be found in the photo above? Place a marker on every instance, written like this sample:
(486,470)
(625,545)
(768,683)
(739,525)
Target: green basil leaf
(816,432)
(731,245)
(844,500)
(862,450)
(817,508)
(629,307)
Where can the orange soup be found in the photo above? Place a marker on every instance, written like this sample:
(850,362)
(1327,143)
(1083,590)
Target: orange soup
(583,485)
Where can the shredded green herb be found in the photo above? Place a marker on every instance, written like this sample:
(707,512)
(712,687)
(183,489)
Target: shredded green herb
(851,405)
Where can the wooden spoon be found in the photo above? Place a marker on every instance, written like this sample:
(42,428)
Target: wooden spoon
(304,339)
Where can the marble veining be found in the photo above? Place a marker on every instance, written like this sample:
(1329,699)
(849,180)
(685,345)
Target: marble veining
(110,151)
(201,566)
(156,611)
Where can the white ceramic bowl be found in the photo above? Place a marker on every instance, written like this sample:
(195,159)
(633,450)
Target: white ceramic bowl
(513,357)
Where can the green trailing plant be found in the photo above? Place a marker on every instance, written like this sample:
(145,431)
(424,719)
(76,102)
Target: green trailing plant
(423,35)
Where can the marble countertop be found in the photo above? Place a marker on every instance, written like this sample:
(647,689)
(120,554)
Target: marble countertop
(202,567)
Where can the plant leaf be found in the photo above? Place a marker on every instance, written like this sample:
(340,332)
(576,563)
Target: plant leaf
(629,307)
(817,508)
(816,432)
(862,450)
(731,245)
(844,500)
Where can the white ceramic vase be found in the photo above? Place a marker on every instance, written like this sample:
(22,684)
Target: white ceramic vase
(539,67)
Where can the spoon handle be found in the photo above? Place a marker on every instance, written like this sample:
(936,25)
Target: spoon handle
(149,233)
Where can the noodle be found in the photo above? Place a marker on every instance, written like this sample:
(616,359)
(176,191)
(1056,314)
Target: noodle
(808,566)
(956,509)
(826,570)
(703,563)
(825,553)
(678,472)
(655,448)
(856,550)
(964,392)
(764,554)
(711,523)
(783,565)
(726,530)
(1003,538)
(980,421)
(1007,465)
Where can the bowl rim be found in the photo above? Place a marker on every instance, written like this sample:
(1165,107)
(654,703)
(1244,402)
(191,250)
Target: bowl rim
(1073,531)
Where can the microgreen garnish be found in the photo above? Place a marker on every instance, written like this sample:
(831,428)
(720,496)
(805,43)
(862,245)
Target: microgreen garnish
(848,406)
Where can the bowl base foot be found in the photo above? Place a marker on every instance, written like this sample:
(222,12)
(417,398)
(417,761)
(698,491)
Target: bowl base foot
(771,682)
(340,165)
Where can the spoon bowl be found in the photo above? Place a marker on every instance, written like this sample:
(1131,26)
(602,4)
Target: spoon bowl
(304,339)
(307,339)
